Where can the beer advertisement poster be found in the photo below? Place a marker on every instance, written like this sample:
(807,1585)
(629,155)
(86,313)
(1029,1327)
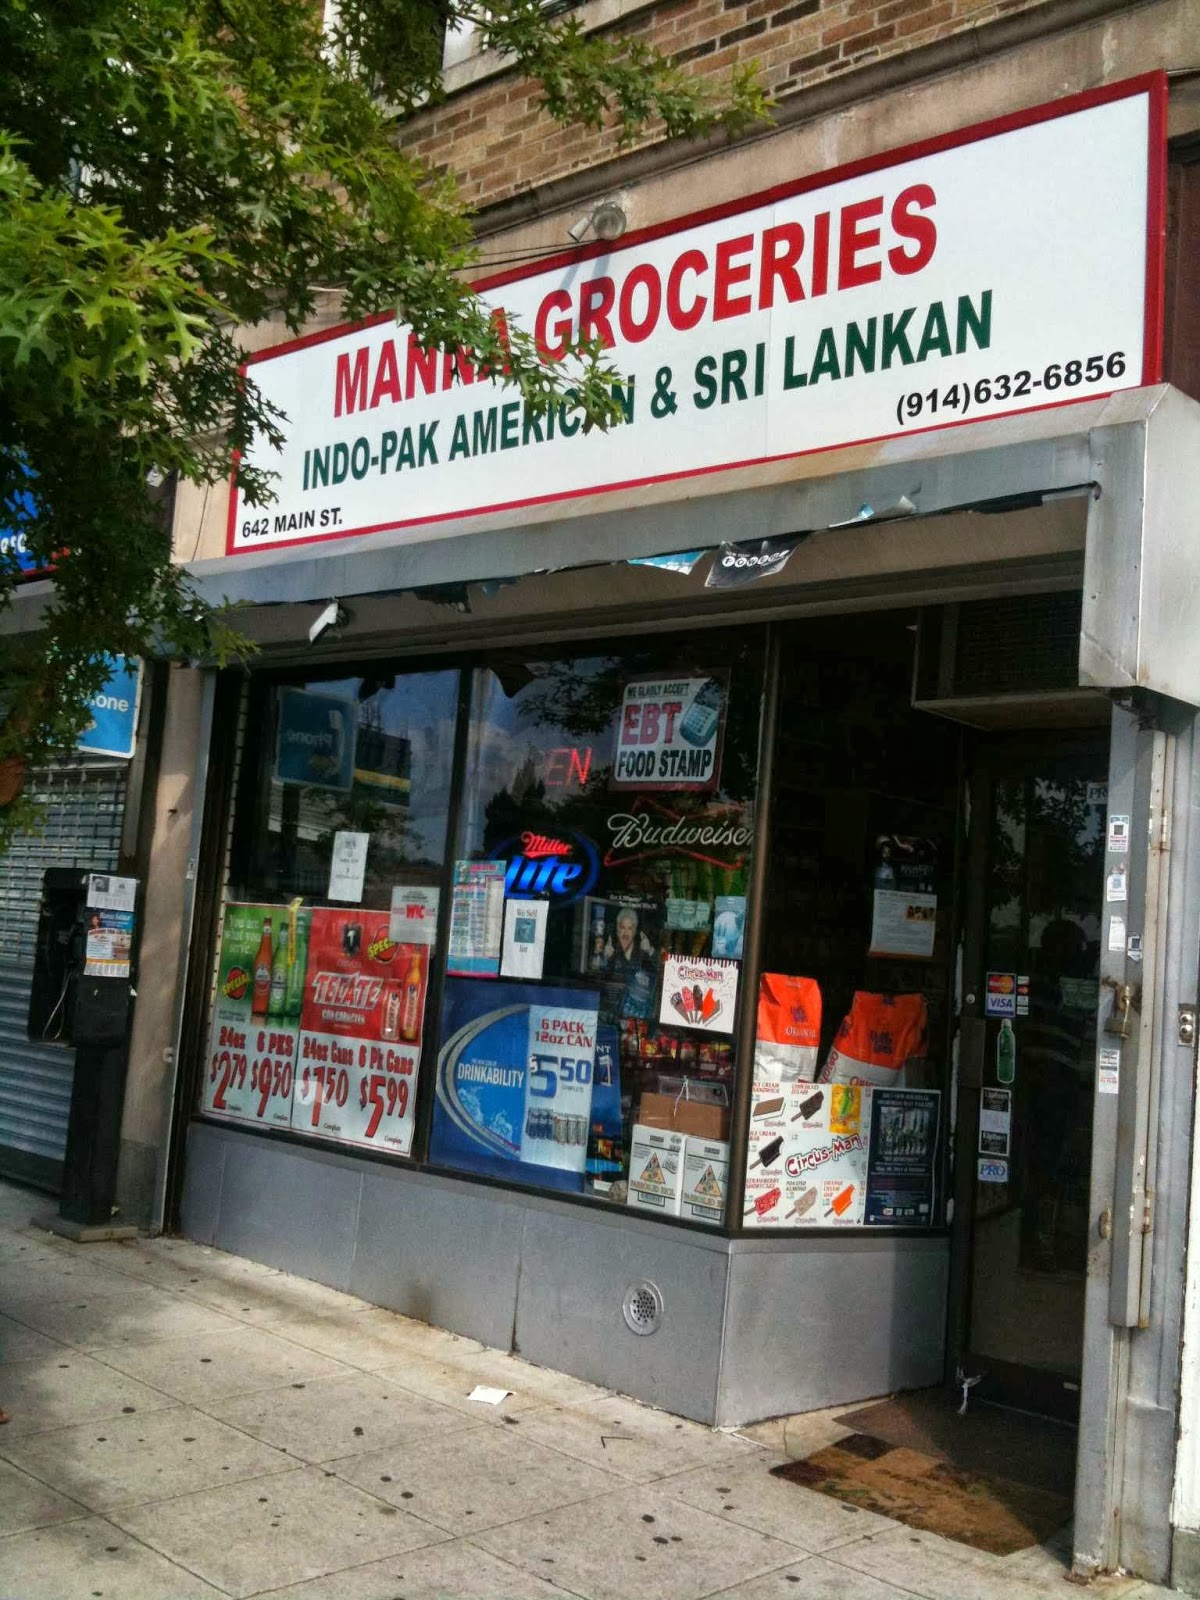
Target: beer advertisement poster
(515,1081)
(360,1039)
(250,1070)
(670,733)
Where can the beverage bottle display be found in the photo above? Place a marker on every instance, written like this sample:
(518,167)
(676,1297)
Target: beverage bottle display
(294,997)
(389,1027)
(700,721)
(262,973)
(1006,1053)
(410,1002)
(277,1004)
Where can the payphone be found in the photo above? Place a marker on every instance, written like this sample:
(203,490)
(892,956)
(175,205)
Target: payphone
(82,997)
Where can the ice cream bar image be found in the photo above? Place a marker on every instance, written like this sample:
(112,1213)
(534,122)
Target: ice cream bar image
(697,1000)
(805,1204)
(810,1107)
(768,1153)
(769,1108)
(841,1202)
(764,1202)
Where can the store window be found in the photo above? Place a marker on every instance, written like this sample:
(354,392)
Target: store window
(847,1115)
(596,932)
(323,961)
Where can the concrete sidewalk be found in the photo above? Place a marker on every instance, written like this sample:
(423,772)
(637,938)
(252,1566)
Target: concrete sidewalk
(188,1424)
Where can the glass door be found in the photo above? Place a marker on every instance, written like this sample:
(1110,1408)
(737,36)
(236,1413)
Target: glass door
(1030,980)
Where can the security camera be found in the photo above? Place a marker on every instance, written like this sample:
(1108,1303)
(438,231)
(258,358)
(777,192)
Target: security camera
(334,616)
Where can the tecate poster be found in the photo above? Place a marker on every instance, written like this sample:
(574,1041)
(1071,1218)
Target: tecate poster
(669,735)
(360,1040)
(256,1018)
(699,992)
(490,1033)
(806,1156)
(856,305)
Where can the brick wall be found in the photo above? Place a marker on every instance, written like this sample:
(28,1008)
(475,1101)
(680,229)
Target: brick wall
(498,142)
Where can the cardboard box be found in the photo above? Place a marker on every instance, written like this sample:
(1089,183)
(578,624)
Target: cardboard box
(705,1180)
(656,1170)
(700,1119)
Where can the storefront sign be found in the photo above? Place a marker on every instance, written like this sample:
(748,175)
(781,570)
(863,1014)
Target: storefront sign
(114,708)
(976,275)
(669,734)
(719,836)
(563,866)
(360,1040)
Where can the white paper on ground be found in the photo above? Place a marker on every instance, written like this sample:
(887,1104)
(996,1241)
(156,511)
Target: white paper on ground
(487,1395)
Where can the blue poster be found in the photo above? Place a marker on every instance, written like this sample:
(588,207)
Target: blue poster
(317,739)
(113,728)
(514,1081)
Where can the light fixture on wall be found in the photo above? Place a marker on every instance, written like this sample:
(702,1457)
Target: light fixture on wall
(606,220)
(334,615)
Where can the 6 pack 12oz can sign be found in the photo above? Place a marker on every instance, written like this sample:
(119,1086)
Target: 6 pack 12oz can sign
(973,276)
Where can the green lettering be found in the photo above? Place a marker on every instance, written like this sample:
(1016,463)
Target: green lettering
(895,338)
(706,383)
(825,362)
(460,444)
(791,378)
(936,335)
(860,347)
(978,323)
(483,436)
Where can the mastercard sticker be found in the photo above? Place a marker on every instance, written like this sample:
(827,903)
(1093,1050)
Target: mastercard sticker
(1000,997)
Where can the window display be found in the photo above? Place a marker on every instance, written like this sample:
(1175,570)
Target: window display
(318,1018)
(565,974)
(603,858)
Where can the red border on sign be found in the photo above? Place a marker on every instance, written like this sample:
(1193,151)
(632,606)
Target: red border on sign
(1153,85)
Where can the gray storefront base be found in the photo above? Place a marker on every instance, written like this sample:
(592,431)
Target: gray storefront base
(745,1330)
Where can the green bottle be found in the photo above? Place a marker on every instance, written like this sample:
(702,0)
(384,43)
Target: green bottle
(279,977)
(1006,1053)
(294,1000)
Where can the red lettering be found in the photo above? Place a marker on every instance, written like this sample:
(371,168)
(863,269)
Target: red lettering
(629,724)
(671,710)
(650,721)
(581,765)
(457,364)
(921,230)
(387,376)
(820,254)
(853,240)
(644,276)
(421,364)
(782,248)
(595,307)
(690,261)
(727,274)
(558,768)
(556,300)
(350,385)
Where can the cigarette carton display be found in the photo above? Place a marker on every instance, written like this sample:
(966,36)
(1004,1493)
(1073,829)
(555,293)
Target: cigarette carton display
(705,1180)
(656,1170)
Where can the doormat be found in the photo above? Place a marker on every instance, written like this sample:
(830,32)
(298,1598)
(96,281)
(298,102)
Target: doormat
(976,1508)
(1035,1451)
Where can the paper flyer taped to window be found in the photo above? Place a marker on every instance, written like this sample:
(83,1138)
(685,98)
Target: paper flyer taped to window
(348,868)
(414,914)
(523,952)
(903,923)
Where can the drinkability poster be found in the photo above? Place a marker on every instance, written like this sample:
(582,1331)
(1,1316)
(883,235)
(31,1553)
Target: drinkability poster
(256,1019)
(361,1027)
(515,1080)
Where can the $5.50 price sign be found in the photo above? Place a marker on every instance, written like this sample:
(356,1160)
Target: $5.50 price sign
(356,1092)
(250,1074)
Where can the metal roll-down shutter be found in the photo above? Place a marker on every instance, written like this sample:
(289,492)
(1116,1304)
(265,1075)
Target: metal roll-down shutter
(81,806)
